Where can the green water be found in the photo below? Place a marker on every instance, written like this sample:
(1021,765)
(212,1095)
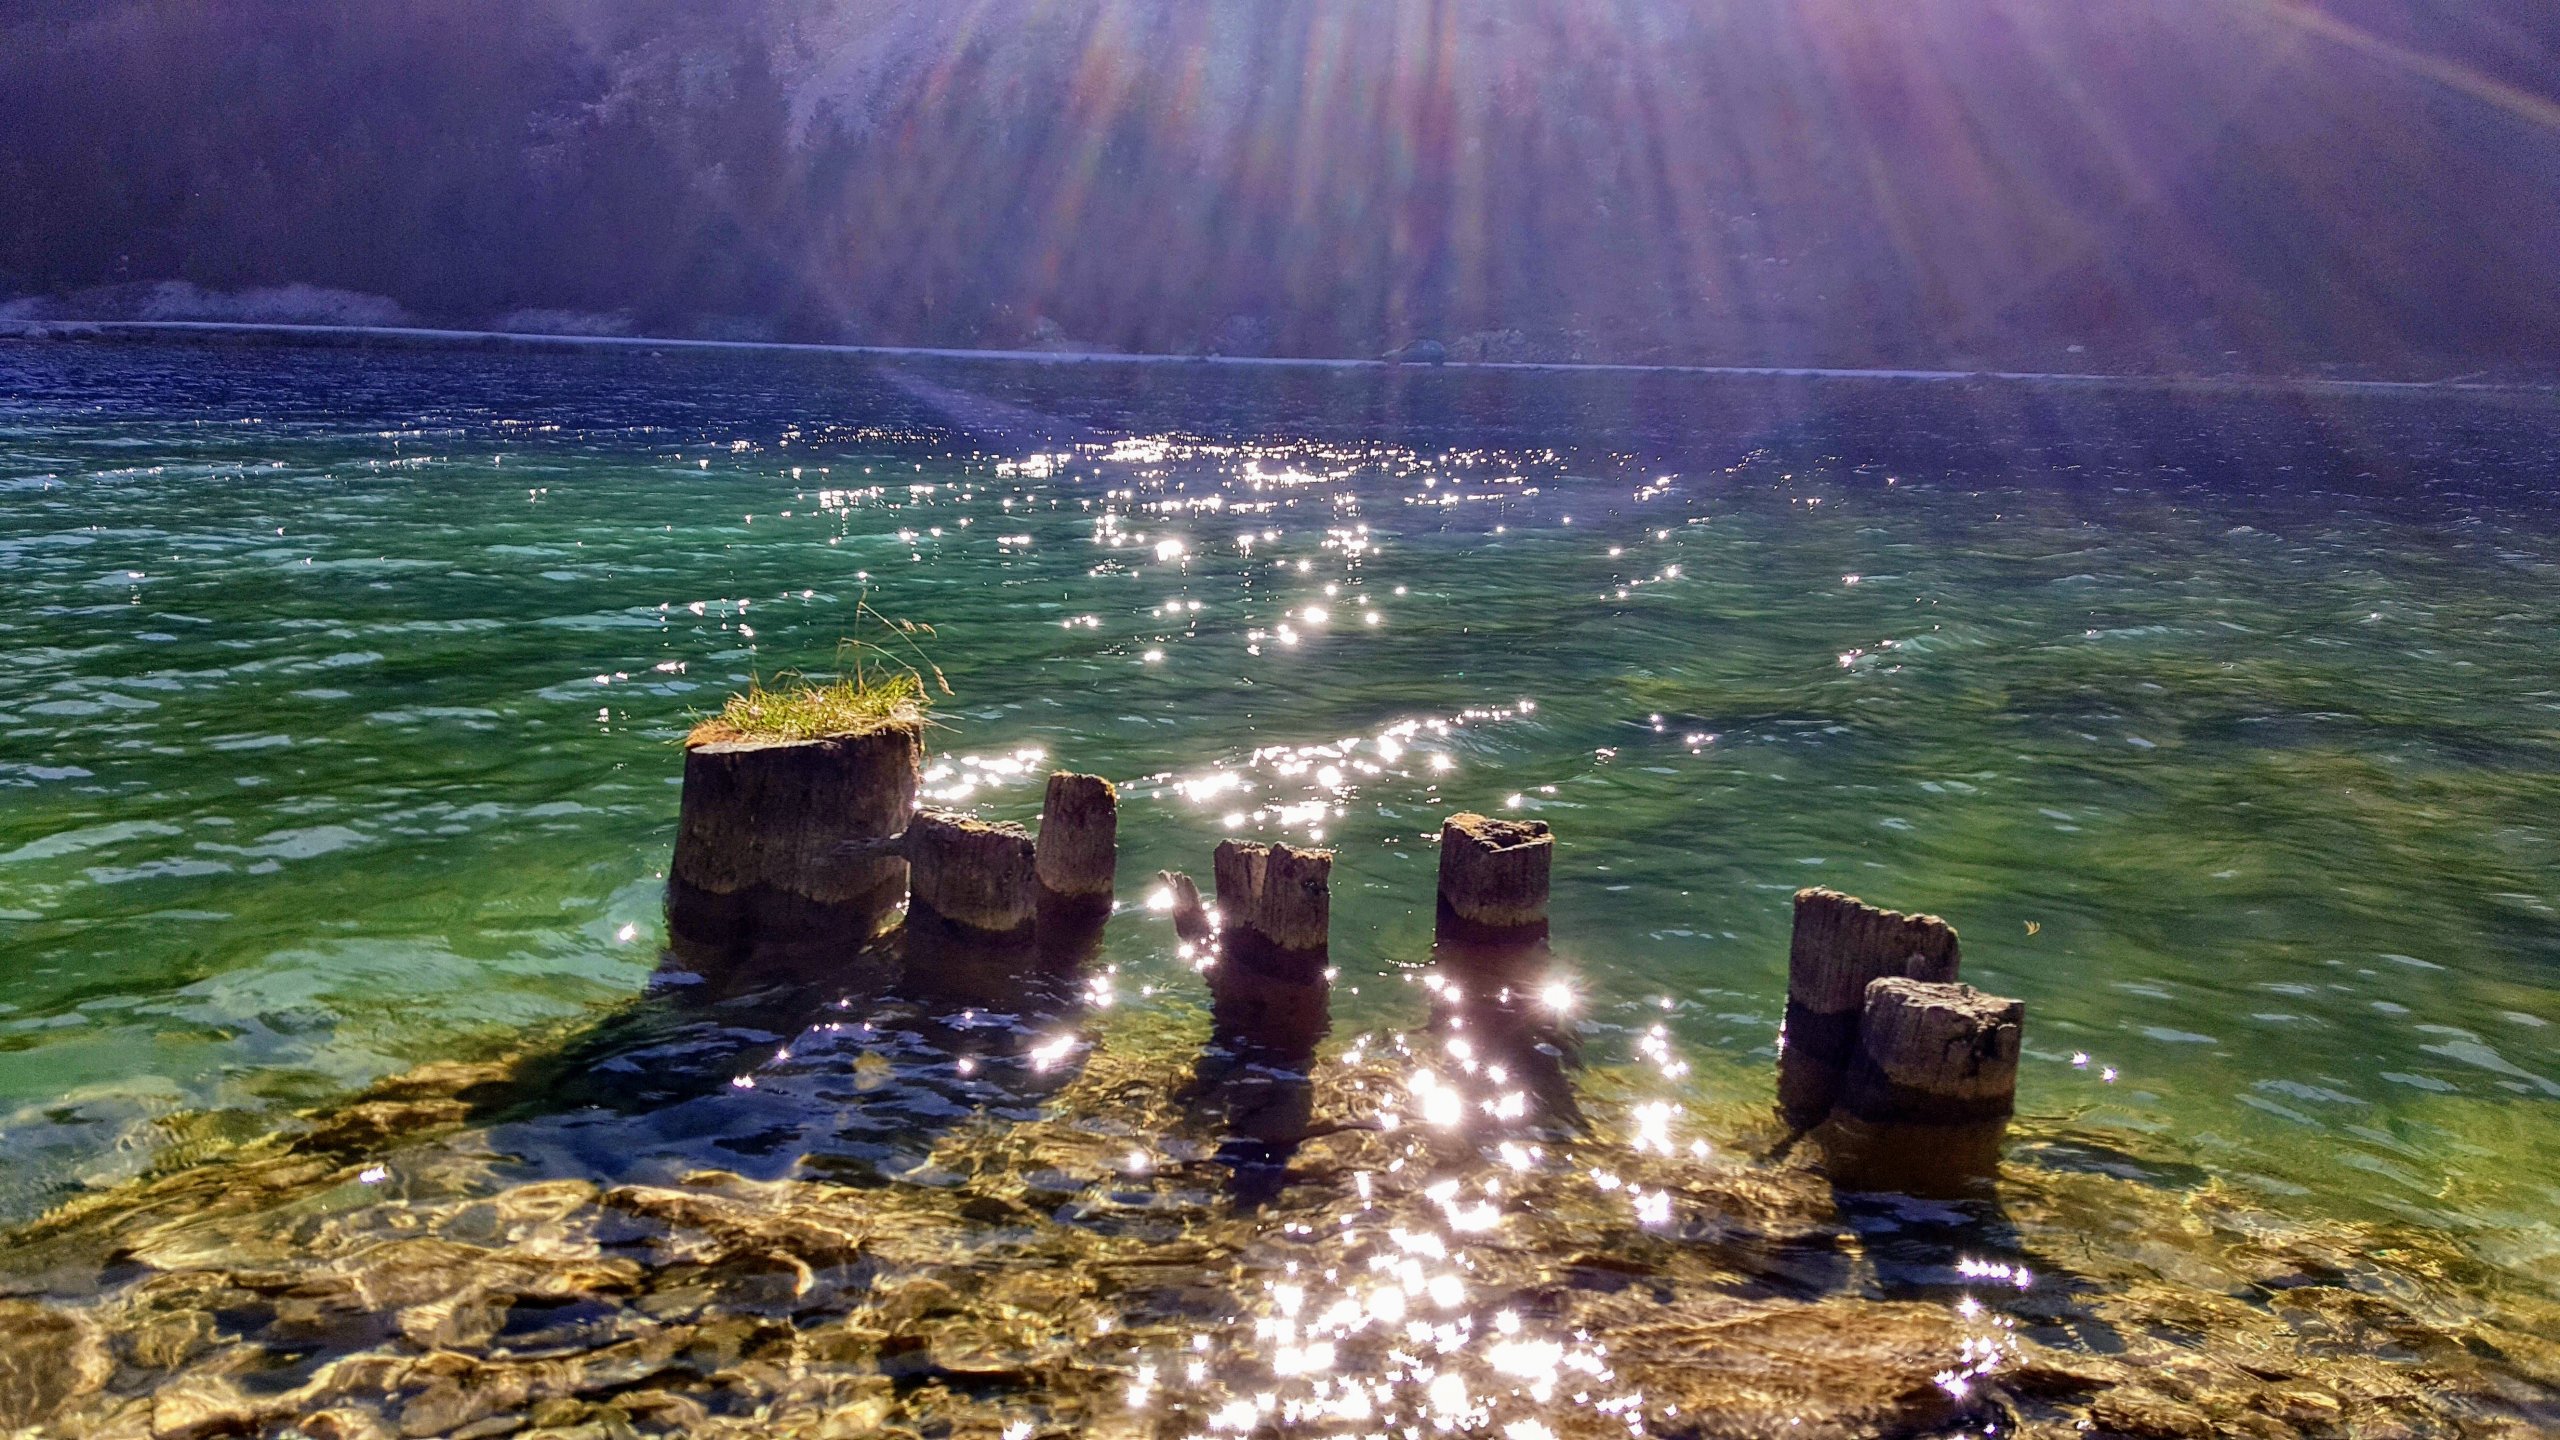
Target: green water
(338,696)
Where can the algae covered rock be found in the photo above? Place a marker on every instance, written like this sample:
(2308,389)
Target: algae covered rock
(47,1357)
(1091,1267)
(1832,1371)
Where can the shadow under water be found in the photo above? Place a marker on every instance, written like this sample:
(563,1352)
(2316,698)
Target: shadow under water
(847,1069)
(1253,1080)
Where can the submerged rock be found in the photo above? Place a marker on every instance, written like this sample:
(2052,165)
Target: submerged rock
(48,1357)
(1088,1272)
(1820,1372)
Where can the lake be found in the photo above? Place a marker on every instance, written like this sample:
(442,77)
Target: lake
(340,694)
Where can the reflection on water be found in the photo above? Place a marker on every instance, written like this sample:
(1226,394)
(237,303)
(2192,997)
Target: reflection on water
(340,696)
(1513,1036)
(1252,1077)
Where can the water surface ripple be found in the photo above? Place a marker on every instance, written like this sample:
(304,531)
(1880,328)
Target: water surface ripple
(338,694)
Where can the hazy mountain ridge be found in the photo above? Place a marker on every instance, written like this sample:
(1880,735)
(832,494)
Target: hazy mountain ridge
(1959,181)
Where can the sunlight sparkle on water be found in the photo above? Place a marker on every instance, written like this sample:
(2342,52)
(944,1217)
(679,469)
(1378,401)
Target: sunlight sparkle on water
(2086,656)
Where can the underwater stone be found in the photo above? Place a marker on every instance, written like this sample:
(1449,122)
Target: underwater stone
(1839,1370)
(1493,886)
(1507,1026)
(2150,1417)
(1075,860)
(782,848)
(1840,946)
(759,1309)
(356,1129)
(47,1358)
(971,883)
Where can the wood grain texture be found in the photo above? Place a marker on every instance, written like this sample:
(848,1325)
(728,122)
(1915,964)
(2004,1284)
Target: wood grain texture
(1841,945)
(1932,1053)
(785,845)
(970,872)
(1494,873)
(1277,893)
(1078,852)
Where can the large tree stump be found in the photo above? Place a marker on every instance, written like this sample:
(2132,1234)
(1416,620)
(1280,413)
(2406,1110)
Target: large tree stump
(1931,1087)
(971,890)
(1075,860)
(1493,890)
(782,848)
(1841,946)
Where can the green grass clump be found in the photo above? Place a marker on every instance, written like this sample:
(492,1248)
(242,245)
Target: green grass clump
(811,710)
(881,681)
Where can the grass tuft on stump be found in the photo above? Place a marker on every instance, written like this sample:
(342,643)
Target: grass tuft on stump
(880,682)
(814,710)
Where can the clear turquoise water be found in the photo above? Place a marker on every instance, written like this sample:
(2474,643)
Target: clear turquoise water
(339,692)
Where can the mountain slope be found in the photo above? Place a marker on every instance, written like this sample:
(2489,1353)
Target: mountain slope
(2180,182)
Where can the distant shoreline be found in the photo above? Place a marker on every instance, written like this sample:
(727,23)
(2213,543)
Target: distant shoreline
(429,337)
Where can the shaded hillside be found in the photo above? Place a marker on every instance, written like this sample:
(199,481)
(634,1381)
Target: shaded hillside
(2190,183)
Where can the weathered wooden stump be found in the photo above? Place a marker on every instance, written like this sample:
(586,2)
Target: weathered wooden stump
(1493,890)
(1930,1090)
(1275,907)
(1269,988)
(1934,1054)
(1841,946)
(783,848)
(971,889)
(1075,860)
(1270,1000)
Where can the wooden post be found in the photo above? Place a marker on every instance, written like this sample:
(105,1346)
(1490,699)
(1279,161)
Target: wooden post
(1269,990)
(1270,1001)
(1075,859)
(971,887)
(1275,906)
(1841,946)
(1493,889)
(1934,1054)
(1930,1089)
(782,847)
